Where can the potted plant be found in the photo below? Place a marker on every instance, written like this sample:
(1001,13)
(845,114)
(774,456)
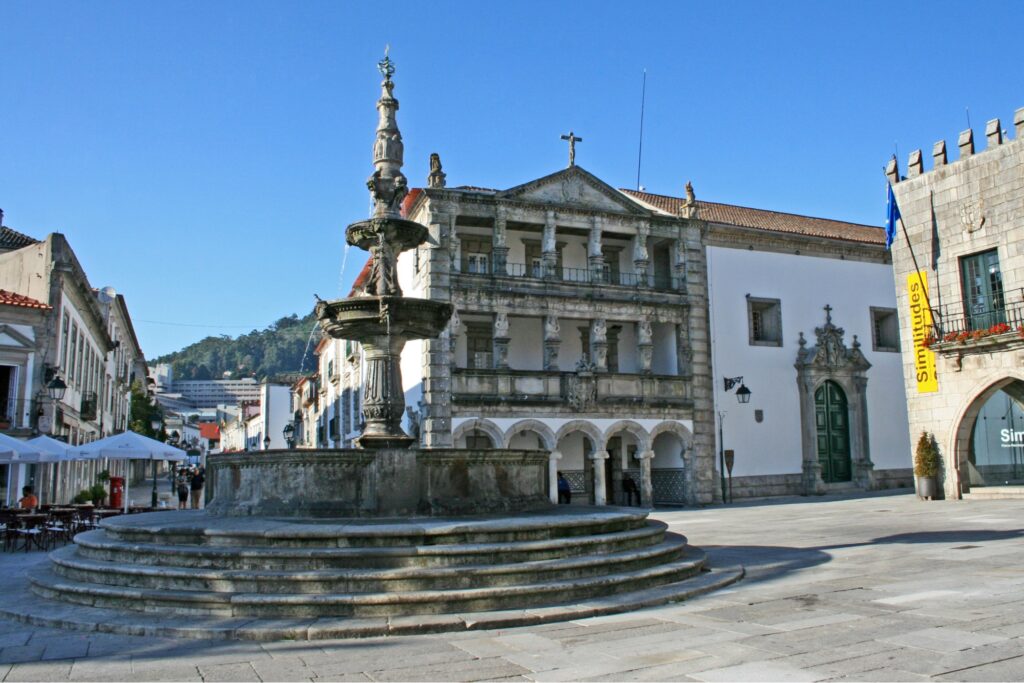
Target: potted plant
(926,467)
(98,493)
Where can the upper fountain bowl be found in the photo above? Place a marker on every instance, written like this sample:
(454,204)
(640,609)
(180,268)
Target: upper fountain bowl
(398,233)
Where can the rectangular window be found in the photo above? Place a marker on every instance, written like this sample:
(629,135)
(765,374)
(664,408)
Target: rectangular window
(885,329)
(64,343)
(613,348)
(80,361)
(479,345)
(74,353)
(983,290)
(584,344)
(476,256)
(611,264)
(764,317)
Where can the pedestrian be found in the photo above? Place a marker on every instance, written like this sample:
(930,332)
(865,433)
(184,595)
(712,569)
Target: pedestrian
(629,488)
(564,490)
(196,487)
(28,499)
(181,484)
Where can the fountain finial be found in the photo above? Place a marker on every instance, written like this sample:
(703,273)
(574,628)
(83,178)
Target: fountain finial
(387,185)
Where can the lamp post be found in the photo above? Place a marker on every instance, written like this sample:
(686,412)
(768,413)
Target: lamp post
(743,396)
(156,423)
(266,442)
(289,435)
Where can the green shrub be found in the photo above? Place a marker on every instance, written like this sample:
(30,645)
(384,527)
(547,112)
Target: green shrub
(98,493)
(926,458)
(83,496)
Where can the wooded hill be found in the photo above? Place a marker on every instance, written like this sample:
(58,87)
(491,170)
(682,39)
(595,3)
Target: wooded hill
(273,352)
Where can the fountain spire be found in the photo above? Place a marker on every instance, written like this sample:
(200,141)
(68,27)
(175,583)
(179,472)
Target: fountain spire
(387,185)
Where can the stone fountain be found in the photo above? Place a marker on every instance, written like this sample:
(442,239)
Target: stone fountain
(377,540)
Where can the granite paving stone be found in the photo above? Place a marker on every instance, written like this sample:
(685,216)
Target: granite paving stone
(845,589)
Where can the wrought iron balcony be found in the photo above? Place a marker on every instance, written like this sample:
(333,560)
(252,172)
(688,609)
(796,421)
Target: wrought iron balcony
(961,322)
(87,408)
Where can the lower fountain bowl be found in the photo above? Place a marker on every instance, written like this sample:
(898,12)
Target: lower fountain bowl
(364,317)
(377,482)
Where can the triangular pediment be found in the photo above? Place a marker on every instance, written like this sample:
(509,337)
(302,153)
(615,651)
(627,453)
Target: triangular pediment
(575,188)
(10,337)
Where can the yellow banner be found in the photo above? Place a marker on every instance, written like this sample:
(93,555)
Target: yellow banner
(921,325)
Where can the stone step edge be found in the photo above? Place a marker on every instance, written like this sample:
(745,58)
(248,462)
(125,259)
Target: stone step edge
(47,580)
(30,609)
(67,557)
(427,527)
(88,539)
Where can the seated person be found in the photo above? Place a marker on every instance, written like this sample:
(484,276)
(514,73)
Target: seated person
(630,490)
(28,499)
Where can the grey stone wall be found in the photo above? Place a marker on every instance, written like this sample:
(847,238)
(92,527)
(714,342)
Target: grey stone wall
(971,205)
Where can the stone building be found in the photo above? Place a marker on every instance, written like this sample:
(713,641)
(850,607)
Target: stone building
(961,318)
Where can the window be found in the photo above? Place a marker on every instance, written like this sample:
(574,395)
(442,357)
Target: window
(613,348)
(584,344)
(74,353)
(885,329)
(477,440)
(765,321)
(476,256)
(983,290)
(611,263)
(64,344)
(534,260)
(479,345)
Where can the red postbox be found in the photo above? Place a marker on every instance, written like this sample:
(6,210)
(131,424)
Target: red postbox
(116,492)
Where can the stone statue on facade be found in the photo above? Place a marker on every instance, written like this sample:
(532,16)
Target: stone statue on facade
(643,332)
(501,325)
(436,179)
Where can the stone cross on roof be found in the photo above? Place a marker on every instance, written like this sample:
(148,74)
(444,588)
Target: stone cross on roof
(572,146)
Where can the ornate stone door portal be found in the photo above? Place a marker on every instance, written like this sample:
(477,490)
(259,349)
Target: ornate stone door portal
(832,381)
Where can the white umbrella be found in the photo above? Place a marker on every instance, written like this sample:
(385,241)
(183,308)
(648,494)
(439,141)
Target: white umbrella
(57,452)
(131,446)
(14,451)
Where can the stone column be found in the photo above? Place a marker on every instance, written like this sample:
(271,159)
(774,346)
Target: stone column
(684,365)
(644,345)
(383,397)
(679,262)
(863,468)
(641,260)
(597,460)
(501,339)
(599,344)
(552,342)
(455,249)
(595,257)
(646,485)
(549,248)
(499,248)
(553,459)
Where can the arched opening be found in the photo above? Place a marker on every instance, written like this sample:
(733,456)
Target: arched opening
(995,448)
(668,468)
(576,465)
(622,467)
(832,419)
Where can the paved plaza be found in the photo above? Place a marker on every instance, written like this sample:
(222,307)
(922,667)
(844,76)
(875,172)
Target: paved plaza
(882,587)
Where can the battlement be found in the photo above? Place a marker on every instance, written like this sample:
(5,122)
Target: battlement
(965,143)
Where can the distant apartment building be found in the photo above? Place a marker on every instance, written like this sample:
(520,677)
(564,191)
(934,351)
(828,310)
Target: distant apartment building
(202,394)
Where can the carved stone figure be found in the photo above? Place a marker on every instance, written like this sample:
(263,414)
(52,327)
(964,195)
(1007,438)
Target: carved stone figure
(581,391)
(643,332)
(383,278)
(501,325)
(552,329)
(598,332)
(436,179)
(689,209)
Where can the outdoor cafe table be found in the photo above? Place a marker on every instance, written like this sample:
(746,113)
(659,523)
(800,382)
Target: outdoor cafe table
(32,520)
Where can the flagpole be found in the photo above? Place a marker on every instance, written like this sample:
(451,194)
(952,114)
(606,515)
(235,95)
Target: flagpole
(917,269)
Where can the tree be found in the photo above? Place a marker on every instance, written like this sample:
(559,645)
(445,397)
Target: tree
(144,411)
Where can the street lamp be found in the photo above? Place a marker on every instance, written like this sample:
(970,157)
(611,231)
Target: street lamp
(289,434)
(156,423)
(266,442)
(56,388)
(743,396)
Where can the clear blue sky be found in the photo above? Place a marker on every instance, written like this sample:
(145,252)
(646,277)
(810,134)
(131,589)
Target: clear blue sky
(204,158)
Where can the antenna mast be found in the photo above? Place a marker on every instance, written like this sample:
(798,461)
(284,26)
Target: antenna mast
(640,152)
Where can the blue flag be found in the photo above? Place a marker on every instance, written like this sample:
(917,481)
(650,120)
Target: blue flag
(892,214)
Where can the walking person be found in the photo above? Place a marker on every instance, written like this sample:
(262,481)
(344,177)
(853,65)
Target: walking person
(564,490)
(181,485)
(196,487)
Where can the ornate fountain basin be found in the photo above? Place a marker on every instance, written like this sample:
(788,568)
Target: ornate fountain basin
(362,318)
(400,234)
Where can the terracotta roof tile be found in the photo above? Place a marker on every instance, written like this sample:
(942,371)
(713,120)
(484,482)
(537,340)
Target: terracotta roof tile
(209,430)
(13,299)
(763,219)
(12,239)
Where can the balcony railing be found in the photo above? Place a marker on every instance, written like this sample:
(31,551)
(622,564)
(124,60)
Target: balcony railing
(554,388)
(15,414)
(87,409)
(960,319)
(583,276)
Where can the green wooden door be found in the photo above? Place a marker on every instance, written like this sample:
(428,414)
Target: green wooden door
(983,290)
(832,419)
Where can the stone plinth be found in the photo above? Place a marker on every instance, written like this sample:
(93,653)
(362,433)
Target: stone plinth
(377,482)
